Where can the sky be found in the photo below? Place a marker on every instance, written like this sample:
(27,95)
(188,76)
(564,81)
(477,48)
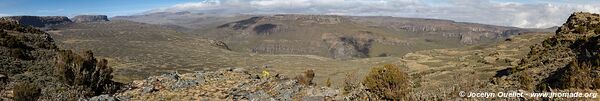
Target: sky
(517,13)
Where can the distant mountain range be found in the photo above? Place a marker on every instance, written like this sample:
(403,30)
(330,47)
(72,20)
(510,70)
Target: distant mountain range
(332,36)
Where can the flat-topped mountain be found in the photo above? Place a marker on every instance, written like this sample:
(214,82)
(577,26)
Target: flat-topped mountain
(89,18)
(39,21)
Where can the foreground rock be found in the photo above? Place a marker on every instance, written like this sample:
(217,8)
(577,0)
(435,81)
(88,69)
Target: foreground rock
(228,84)
(39,21)
(89,18)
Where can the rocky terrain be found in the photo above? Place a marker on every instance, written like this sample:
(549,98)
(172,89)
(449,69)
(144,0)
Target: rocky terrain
(292,57)
(33,68)
(89,18)
(566,61)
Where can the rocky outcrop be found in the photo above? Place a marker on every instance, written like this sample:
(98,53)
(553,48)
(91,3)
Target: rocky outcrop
(89,18)
(346,46)
(39,21)
(230,84)
(564,61)
(219,44)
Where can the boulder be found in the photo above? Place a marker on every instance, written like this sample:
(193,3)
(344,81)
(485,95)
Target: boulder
(3,78)
(90,18)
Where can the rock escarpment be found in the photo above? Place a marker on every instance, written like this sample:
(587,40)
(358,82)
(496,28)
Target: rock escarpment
(39,21)
(346,46)
(89,18)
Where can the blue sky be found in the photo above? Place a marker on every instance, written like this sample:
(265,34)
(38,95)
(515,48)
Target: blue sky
(76,7)
(518,13)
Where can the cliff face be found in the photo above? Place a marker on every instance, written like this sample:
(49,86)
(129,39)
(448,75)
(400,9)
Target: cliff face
(90,18)
(39,21)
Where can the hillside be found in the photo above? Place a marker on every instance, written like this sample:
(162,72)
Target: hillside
(33,68)
(565,62)
(39,21)
(189,54)
(340,37)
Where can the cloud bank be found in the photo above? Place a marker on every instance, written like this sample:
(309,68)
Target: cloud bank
(525,14)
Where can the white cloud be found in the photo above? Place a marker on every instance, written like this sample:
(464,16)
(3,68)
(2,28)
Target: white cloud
(532,14)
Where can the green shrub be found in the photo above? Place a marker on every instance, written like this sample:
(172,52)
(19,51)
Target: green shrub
(389,82)
(26,92)
(85,71)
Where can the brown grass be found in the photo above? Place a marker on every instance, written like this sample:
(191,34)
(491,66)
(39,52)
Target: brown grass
(26,92)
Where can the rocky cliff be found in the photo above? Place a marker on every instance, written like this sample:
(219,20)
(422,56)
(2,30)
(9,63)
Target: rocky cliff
(39,21)
(89,18)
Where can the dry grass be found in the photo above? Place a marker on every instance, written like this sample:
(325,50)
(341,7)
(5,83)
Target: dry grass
(26,92)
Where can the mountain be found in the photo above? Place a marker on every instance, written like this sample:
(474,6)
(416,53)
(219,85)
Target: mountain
(39,21)
(89,18)
(181,19)
(340,37)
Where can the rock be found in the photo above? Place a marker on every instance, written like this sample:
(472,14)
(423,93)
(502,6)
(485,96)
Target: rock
(346,46)
(260,96)
(172,75)
(313,98)
(240,70)
(183,84)
(147,89)
(39,21)
(3,78)
(89,18)
(219,44)
(104,97)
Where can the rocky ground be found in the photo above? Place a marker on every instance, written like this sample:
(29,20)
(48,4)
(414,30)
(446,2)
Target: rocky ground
(227,84)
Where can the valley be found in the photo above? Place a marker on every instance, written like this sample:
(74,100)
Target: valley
(309,57)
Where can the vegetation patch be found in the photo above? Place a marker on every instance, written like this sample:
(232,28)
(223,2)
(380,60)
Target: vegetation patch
(389,82)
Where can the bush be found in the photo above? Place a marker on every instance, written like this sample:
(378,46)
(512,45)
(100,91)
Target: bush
(526,81)
(576,75)
(85,71)
(328,82)
(389,82)
(26,92)
(306,78)
(350,83)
